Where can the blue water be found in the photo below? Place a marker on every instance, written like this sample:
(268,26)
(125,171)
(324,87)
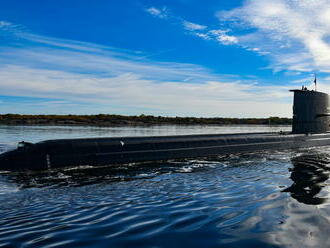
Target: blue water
(265,199)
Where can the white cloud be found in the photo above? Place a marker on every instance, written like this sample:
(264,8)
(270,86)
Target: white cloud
(118,81)
(158,12)
(295,33)
(222,37)
(193,26)
(201,31)
(131,91)
(202,35)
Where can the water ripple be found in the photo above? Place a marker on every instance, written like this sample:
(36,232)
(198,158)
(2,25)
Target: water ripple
(269,199)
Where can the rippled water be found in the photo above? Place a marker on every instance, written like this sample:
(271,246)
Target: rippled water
(268,199)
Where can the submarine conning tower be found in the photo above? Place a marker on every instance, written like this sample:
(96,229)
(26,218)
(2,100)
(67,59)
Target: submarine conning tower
(311,112)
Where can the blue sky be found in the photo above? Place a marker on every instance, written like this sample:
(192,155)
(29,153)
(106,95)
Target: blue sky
(174,58)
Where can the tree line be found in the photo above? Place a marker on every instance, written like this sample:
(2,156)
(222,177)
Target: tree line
(113,120)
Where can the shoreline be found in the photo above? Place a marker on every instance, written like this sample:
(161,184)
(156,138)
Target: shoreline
(138,125)
(142,120)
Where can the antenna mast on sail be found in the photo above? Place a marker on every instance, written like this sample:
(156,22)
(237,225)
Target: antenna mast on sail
(315,80)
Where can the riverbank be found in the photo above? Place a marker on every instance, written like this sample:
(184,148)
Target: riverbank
(121,120)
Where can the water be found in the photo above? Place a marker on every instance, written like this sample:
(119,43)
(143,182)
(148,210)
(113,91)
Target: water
(265,199)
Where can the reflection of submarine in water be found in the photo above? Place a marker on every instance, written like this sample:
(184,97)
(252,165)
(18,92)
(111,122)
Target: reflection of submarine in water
(310,127)
(308,174)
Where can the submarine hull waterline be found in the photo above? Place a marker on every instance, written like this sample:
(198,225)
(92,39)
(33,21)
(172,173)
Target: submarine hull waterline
(111,151)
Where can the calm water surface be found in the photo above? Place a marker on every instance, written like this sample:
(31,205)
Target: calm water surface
(268,199)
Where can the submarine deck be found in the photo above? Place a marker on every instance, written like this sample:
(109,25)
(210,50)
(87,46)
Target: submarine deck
(111,151)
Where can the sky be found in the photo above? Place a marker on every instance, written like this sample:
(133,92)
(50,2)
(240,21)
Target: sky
(210,58)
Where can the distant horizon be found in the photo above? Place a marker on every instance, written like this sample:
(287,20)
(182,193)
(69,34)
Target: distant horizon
(124,120)
(140,115)
(182,58)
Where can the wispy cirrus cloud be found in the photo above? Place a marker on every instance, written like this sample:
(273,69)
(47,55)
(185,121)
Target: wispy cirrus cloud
(78,74)
(193,26)
(221,36)
(158,12)
(294,34)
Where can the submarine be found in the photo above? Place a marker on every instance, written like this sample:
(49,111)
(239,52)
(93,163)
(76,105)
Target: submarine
(310,128)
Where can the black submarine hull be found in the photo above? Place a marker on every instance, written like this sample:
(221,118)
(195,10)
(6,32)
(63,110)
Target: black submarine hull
(111,151)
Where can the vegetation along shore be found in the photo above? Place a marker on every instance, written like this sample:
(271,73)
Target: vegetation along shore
(115,120)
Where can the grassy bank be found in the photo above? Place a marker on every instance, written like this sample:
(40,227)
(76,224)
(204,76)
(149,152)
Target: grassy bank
(115,120)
